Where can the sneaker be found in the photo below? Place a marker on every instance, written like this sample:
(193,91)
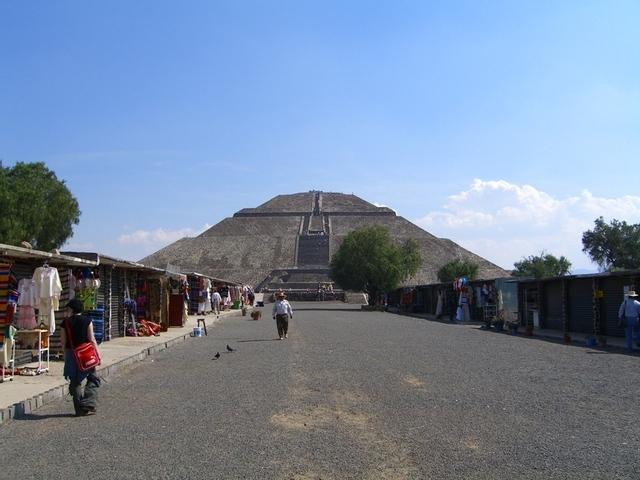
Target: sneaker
(280,338)
(286,336)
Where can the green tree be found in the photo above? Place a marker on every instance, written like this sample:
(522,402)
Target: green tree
(35,207)
(369,261)
(456,269)
(542,266)
(613,246)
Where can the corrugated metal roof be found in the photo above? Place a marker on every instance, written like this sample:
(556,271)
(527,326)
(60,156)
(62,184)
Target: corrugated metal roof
(618,273)
(21,253)
(102,259)
(220,280)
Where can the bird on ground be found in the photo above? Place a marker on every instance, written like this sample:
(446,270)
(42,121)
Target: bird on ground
(216,356)
(229,349)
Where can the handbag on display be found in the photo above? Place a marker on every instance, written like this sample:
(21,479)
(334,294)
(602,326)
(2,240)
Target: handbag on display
(86,354)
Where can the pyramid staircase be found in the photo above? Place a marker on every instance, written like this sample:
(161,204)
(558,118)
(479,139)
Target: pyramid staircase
(312,260)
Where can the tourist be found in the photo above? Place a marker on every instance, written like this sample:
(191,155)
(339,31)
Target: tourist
(282,312)
(628,314)
(81,330)
(216,299)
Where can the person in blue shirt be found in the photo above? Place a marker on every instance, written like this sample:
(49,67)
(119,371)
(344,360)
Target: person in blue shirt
(628,313)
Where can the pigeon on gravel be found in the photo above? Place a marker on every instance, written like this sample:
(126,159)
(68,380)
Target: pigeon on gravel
(216,356)
(229,349)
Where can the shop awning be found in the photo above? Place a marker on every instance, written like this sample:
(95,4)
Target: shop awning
(213,279)
(102,259)
(11,252)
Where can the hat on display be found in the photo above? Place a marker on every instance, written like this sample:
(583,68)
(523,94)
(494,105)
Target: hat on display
(632,293)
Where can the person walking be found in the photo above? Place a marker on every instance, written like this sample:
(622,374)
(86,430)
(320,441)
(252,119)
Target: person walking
(80,328)
(628,314)
(282,312)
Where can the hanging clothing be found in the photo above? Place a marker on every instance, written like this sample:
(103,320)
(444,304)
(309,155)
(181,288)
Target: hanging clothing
(27,291)
(27,302)
(48,290)
(207,301)
(463,313)
(439,304)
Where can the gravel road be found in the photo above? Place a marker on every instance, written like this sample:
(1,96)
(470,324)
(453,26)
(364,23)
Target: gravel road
(350,395)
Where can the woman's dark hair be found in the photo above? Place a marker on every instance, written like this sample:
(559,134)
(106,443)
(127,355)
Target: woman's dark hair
(76,305)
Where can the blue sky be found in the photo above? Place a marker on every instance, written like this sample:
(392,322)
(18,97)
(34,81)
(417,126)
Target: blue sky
(505,126)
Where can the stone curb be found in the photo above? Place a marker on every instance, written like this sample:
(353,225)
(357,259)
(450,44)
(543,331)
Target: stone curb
(26,407)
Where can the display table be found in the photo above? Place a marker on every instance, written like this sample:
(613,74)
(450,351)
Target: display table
(37,342)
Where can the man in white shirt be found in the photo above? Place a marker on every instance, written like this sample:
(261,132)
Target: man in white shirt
(282,312)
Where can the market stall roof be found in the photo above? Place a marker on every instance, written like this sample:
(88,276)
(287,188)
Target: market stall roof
(617,273)
(219,280)
(475,281)
(101,259)
(21,253)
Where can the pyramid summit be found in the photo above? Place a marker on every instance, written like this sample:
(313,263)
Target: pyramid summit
(288,242)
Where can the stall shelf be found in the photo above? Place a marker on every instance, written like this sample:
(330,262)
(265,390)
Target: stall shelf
(37,342)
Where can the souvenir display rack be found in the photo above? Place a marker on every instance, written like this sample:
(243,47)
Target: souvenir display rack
(8,354)
(35,341)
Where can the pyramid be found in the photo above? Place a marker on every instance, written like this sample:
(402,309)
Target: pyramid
(288,242)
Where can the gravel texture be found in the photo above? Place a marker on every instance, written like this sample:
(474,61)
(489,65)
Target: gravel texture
(350,395)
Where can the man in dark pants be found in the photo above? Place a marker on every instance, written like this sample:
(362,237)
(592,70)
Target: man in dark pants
(282,312)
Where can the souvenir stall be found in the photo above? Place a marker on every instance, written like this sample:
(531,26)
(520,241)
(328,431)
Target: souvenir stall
(231,294)
(407,299)
(235,296)
(102,290)
(34,287)
(148,308)
(133,298)
(143,303)
(178,300)
(200,289)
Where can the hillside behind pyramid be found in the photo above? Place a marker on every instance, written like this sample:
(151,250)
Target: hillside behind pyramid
(289,241)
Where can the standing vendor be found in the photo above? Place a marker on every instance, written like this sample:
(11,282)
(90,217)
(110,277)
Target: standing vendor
(628,314)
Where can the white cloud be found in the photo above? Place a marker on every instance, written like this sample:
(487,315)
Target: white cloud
(159,236)
(503,222)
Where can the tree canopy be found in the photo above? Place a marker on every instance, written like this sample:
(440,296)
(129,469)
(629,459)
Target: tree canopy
(35,207)
(613,246)
(369,261)
(542,266)
(458,268)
